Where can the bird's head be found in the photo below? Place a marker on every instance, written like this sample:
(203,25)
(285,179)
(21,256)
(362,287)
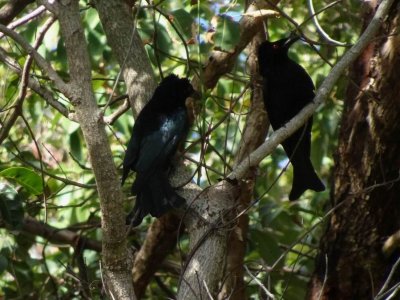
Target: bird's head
(174,90)
(270,53)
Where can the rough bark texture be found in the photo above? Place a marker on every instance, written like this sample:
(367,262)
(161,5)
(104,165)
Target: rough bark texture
(254,134)
(116,262)
(161,239)
(367,162)
(209,228)
(118,24)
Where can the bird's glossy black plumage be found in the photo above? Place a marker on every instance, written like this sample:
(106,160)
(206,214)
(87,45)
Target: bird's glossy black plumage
(287,89)
(159,129)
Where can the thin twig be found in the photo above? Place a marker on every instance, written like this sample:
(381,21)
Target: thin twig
(40,162)
(268,293)
(25,19)
(320,30)
(325,278)
(41,61)
(388,279)
(34,85)
(207,290)
(64,180)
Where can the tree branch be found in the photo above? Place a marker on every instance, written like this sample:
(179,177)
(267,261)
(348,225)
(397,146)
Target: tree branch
(118,24)
(40,60)
(116,258)
(254,133)
(160,240)
(24,83)
(321,95)
(58,236)
(34,85)
(11,9)
(25,19)
(220,63)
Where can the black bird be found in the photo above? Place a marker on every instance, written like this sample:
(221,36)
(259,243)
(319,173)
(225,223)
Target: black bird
(287,88)
(159,129)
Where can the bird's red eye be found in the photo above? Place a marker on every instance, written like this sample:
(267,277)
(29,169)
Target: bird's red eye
(275,46)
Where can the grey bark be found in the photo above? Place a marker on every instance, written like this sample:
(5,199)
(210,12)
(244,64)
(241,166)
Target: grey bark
(116,266)
(119,25)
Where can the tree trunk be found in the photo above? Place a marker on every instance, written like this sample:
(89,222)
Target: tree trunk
(115,254)
(351,263)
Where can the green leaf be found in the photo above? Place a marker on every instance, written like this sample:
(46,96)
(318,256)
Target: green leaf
(11,208)
(27,178)
(183,21)
(76,145)
(227,34)
(267,246)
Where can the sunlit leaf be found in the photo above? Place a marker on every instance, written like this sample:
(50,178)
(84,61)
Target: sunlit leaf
(27,178)
(183,21)
(227,33)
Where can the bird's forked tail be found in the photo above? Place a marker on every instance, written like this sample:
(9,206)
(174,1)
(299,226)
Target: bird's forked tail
(155,197)
(305,178)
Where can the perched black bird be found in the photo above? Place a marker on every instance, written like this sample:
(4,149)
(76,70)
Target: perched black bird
(287,89)
(159,129)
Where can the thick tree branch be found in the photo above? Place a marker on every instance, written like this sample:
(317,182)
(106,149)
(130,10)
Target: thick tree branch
(220,62)
(209,234)
(119,24)
(254,133)
(161,239)
(116,258)
(58,236)
(321,95)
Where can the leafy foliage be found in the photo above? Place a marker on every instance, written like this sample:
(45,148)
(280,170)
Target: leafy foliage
(48,177)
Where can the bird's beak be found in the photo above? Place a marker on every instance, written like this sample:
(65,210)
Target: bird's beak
(291,40)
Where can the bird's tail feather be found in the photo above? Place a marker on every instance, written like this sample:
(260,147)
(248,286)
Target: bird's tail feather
(305,178)
(156,197)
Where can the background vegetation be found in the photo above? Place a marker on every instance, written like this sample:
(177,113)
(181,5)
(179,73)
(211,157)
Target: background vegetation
(46,178)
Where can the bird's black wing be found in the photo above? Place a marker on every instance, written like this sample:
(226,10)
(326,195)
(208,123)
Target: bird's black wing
(157,147)
(132,151)
(286,91)
(302,84)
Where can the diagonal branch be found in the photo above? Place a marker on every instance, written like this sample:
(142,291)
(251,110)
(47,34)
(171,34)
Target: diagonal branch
(40,60)
(11,9)
(56,235)
(26,18)
(220,62)
(321,95)
(24,83)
